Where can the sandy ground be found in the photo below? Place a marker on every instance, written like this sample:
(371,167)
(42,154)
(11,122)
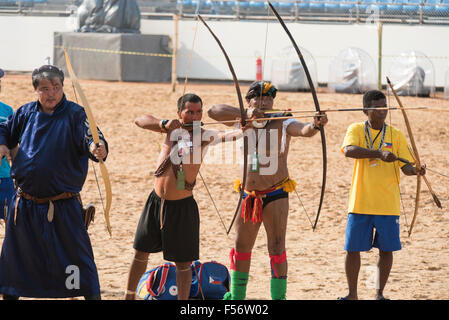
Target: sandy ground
(316,259)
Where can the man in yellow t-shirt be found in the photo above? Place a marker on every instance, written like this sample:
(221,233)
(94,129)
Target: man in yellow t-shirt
(374,200)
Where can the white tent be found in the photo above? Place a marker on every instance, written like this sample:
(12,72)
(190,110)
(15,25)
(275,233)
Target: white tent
(413,74)
(287,72)
(352,71)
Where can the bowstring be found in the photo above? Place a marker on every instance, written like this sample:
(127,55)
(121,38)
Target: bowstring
(213,202)
(394,164)
(99,190)
(261,91)
(300,201)
(189,63)
(93,166)
(441,174)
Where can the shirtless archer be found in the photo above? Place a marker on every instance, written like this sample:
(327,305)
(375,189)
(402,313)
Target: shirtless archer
(266,193)
(170,219)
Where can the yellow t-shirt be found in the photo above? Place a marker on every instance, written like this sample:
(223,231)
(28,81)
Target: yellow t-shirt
(375,183)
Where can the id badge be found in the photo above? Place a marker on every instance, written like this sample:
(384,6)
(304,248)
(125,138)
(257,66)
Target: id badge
(181,180)
(372,162)
(255,162)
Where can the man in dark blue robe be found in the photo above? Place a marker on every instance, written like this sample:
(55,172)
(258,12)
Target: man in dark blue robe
(46,251)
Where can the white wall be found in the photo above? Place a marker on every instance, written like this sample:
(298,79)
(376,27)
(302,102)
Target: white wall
(26,41)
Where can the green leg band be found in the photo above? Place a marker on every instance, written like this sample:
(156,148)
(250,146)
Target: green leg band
(278,288)
(239,280)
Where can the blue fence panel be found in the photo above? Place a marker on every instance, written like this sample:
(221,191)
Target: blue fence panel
(285,8)
(24,2)
(244,7)
(186,6)
(412,8)
(216,7)
(429,7)
(443,9)
(348,7)
(366,4)
(303,6)
(395,7)
(228,7)
(258,7)
(333,7)
(382,4)
(316,6)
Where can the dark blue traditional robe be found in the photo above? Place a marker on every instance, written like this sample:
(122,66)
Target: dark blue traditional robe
(40,258)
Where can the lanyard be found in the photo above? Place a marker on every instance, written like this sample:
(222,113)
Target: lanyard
(370,142)
(180,174)
(182,144)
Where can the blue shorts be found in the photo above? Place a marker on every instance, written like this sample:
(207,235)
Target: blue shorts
(360,233)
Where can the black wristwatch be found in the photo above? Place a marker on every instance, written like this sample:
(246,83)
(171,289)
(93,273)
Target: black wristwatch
(163,123)
(315,127)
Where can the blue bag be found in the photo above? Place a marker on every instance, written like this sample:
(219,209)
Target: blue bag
(210,280)
(213,279)
(158,284)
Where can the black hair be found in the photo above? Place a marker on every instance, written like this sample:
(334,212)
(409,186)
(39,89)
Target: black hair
(261,88)
(371,96)
(188,97)
(47,71)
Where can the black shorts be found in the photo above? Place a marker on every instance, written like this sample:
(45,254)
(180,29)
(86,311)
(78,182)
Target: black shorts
(178,238)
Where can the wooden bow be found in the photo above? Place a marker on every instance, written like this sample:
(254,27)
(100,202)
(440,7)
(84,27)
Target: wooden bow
(415,155)
(317,107)
(96,138)
(242,116)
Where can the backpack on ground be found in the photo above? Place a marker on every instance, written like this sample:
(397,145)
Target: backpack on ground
(210,280)
(158,284)
(213,279)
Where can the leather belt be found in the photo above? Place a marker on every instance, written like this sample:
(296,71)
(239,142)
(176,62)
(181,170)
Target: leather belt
(49,200)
